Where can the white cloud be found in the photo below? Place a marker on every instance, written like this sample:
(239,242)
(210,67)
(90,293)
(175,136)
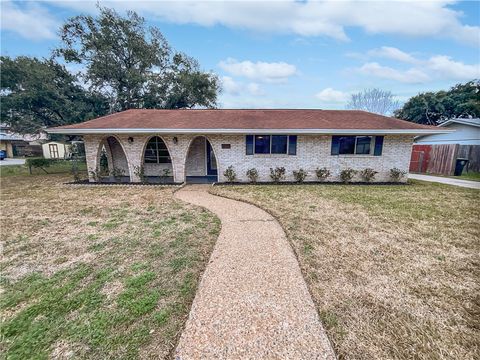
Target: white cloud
(309,18)
(259,71)
(255,89)
(392,53)
(405,76)
(235,88)
(29,20)
(436,67)
(230,86)
(330,95)
(447,68)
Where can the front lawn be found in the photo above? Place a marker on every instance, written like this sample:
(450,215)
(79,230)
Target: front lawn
(97,272)
(394,270)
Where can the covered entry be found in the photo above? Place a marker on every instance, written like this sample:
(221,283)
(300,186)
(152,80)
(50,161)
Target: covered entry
(112,162)
(201,163)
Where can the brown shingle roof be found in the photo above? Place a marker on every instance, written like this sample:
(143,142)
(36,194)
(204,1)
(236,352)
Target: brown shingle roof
(244,119)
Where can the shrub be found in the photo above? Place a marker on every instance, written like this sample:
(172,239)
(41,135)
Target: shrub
(39,163)
(300,175)
(322,174)
(230,174)
(140,172)
(368,174)
(165,174)
(95,174)
(277,174)
(346,175)
(396,174)
(252,174)
(117,173)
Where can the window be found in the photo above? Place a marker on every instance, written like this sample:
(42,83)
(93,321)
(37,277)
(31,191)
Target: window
(279,144)
(271,144)
(53,148)
(156,152)
(262,144)
(357,145)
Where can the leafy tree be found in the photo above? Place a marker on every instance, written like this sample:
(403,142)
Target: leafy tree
(461,101)
(374,100)
(133,64)
(41,93)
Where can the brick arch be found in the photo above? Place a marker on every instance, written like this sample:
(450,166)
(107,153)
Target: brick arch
(116,155)
(207,138)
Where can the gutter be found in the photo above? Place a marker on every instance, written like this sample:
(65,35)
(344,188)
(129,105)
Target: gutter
(250,131)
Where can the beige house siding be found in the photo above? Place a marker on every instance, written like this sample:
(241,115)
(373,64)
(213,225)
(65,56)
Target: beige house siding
(313,151)
(62,150)
(7,146)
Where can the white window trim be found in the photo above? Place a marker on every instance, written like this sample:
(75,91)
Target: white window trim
(372,145)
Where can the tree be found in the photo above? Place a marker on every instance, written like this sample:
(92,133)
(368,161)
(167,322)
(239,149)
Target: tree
(374,100)
(36,94)
(432,108)
(134,65)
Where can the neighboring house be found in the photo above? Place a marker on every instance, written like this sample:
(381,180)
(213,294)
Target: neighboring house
(438,153)
(13,144)
(56,150)
(201,144)
(19,145)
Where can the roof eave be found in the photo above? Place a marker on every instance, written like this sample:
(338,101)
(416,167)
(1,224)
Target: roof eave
(251,131)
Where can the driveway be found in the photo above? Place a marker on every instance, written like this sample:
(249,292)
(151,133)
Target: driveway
(11,161)
(252,302)
(446,180)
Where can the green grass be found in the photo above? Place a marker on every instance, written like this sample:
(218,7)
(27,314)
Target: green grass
(59,167)
(475,176)
(78,285)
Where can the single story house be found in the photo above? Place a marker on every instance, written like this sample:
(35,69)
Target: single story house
(201,144)
(438,153)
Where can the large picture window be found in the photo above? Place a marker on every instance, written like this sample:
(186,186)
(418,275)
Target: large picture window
(271,144)
(357,145)
(156,152)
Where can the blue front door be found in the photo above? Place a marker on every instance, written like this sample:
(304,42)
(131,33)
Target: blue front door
(211,161)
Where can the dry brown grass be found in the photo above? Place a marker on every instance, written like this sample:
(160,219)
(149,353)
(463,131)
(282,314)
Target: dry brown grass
(394,270)
(105,272)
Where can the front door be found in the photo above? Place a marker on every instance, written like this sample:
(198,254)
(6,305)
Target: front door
(211,161)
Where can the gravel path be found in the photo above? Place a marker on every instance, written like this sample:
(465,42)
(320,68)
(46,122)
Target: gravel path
(252,302)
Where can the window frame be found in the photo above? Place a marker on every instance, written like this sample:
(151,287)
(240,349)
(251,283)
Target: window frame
(53,150)
(371,146)
(157,151)
(288,144)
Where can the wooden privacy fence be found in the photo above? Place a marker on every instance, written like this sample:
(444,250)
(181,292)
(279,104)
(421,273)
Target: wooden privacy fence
(441,159)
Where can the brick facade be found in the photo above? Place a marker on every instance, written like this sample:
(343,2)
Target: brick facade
(313,151)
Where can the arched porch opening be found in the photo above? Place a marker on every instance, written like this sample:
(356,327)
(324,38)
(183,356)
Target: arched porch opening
(112,163)
(156,161)
(201,162)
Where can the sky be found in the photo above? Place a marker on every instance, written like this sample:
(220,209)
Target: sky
(289,54)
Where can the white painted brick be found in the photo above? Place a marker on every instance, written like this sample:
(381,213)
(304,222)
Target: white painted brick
(313,151)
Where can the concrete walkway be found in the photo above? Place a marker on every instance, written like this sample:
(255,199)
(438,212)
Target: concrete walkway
(252,301)
(446,180)
(12,161)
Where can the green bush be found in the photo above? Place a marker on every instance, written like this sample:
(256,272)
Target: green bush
(322,173)
(230,174)
(252,174)
(277,174)
(396,174)
(38,162)
(346,175)
(140,172)
(117,173)
(300,175)
(368,174)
